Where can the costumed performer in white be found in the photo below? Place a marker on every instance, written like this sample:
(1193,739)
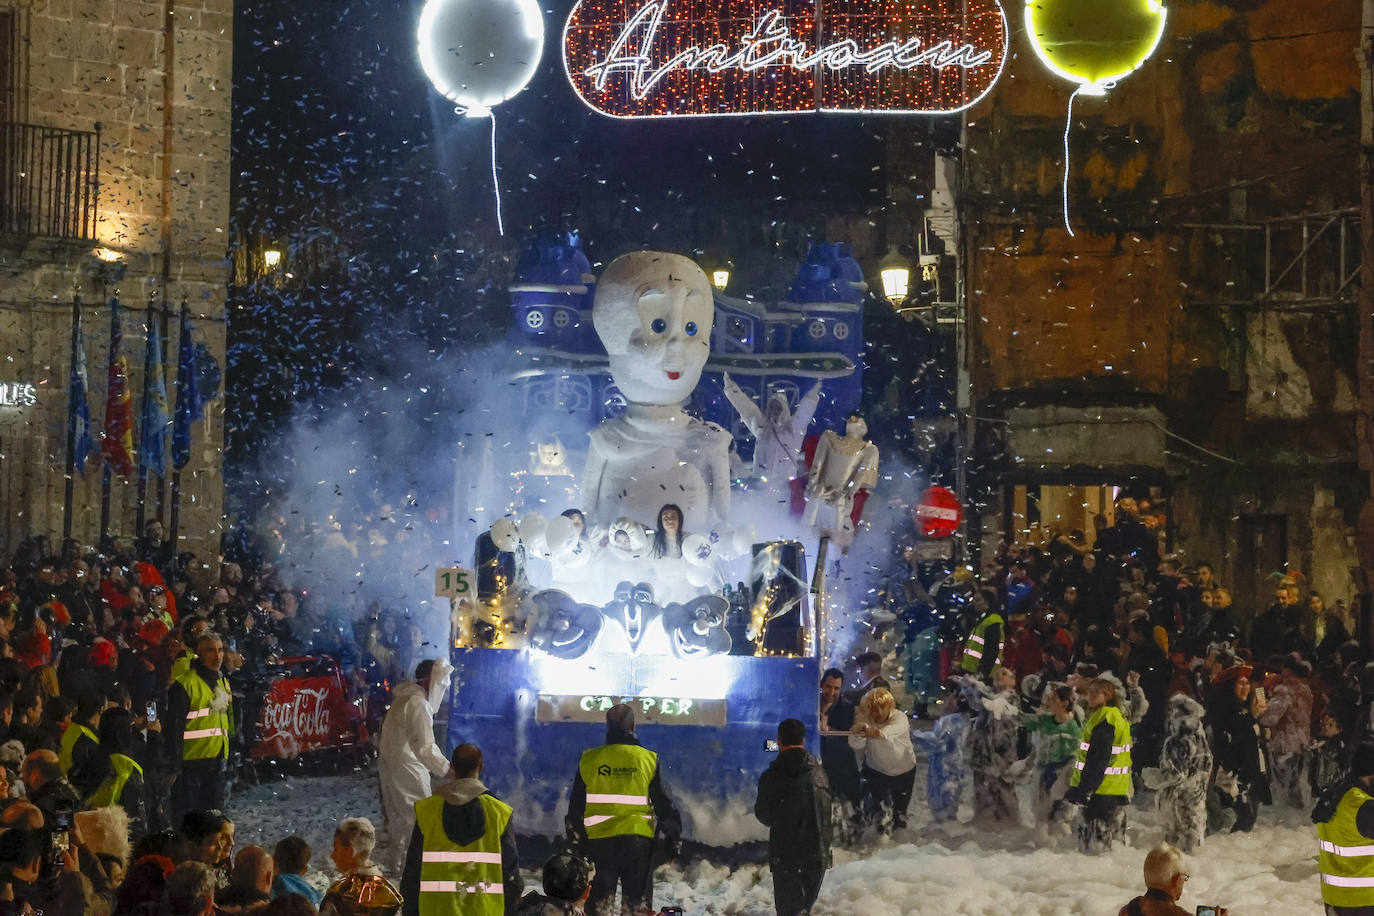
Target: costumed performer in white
(843,465)
(653,312)
(779,432)
(408,754)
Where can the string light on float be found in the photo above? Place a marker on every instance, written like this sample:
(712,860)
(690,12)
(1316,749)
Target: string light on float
(478,54)
(1094,43)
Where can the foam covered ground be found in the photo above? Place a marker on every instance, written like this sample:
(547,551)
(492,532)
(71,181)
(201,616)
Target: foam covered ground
(951,870)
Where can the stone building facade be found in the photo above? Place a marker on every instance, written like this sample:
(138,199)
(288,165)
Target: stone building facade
(1195,339)
(115,183)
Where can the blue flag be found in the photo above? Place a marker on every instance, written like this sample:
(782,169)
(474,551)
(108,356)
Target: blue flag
(188,397)
(152,443)
(79,407)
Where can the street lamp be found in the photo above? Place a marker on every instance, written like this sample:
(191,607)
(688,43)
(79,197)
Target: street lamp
(271,258)
(720,278)
(895,271)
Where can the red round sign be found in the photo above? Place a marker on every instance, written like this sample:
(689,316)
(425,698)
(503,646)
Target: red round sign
(938,513)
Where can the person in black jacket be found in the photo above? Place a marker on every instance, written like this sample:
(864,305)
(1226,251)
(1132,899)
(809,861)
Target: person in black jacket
(89,761)
(794,803)
(621,859)
(1242,780)
(836,720)
(464,820)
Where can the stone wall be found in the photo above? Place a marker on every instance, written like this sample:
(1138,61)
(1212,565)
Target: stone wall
(163,209)
(1245,113)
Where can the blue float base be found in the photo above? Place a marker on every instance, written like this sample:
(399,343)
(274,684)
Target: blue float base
(711,771)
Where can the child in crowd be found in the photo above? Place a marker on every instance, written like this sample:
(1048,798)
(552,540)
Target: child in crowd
(1326,756)
(292,858)
(947,770)
(1055,732)
(1185,767)
(992,745)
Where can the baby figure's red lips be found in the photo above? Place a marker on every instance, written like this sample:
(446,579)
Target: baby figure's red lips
(675,375)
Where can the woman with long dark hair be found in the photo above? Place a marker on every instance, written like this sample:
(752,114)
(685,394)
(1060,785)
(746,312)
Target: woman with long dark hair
(668,533)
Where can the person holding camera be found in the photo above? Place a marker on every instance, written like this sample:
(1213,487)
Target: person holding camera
(617,808)
(1164,881)
(794,804)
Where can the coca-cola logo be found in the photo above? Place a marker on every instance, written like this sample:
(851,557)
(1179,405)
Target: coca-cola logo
(303,716)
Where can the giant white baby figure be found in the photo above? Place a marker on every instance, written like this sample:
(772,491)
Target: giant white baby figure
(653,312)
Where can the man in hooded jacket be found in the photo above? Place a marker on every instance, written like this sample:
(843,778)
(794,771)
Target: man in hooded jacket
(794,803)
(456,833)
(408,753)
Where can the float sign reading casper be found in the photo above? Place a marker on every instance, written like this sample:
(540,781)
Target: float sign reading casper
(682,58)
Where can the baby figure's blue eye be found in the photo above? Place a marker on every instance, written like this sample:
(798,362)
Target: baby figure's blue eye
(691,329)
(659,325)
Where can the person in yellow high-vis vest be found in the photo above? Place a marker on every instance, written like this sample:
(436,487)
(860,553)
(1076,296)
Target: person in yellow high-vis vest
(983,647)
(124,784)
(1101,780)
(198,730)
(79,751)
(462,859)
(1344,815)
(617,808)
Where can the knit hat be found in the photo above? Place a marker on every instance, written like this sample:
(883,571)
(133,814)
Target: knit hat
(103,653)
(1297,664)
(1234,672)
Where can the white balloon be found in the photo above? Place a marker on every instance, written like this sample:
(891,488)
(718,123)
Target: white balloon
(478,53)
(696,550)
(505,536)
(742,540)
(561,535)
(532,530)
(699,576)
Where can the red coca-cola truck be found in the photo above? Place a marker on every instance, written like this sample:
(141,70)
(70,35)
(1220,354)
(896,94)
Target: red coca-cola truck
(307,709)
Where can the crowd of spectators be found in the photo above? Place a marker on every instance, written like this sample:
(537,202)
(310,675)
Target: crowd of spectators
(1229,709)
(104,806)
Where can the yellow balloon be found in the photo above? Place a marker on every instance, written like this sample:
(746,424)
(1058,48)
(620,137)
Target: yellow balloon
(1094,42)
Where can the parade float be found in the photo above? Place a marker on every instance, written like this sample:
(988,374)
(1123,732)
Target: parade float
(678,563)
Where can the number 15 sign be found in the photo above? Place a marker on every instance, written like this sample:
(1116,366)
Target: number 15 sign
(683,58)
(455,582)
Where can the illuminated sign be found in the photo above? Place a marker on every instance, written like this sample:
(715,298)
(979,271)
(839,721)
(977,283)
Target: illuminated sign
(648,710)
(677,58)
(17,394)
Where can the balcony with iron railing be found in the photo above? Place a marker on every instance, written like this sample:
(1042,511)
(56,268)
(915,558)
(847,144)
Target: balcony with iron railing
(49,182)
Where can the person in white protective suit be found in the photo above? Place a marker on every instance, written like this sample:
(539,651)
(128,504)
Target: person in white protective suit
(779,432)
(409,755)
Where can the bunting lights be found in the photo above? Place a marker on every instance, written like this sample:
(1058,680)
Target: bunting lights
(684,58)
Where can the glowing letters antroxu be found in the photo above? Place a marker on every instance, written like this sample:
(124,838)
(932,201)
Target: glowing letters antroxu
(674,58)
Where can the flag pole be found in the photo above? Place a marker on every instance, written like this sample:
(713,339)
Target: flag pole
(68,494)
(104,461)
(143,413)
(162,311)
(175,519)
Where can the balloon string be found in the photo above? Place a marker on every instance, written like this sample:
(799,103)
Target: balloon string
(1068,122)
(496,182)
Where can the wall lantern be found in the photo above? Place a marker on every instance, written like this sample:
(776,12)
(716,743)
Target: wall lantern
(895,271)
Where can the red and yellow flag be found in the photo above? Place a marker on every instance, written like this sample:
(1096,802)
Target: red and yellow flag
(117,439)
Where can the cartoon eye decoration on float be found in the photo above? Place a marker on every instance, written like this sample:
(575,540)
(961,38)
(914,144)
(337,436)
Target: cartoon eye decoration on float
(1093,43)
(658,325)
(691,329)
